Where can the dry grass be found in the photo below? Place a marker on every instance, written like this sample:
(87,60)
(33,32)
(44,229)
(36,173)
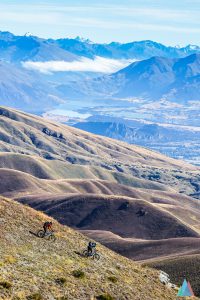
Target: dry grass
(46,161)
(51,151)
(34,266)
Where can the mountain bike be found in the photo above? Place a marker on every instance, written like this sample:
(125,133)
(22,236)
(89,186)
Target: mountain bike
(48,235)
(93,255)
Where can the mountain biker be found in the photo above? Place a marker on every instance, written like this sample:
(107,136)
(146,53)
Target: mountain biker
(47,227)
(91,247)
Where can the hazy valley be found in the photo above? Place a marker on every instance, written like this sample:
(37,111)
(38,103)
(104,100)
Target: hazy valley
(67,77)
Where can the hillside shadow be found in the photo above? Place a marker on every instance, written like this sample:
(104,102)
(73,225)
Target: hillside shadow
(79,253)
(33,233)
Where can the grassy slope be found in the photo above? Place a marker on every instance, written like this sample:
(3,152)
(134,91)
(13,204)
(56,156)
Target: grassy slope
(91,156)
(67,185)
(32,265)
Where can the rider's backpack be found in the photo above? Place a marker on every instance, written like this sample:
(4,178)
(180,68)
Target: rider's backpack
(46,224)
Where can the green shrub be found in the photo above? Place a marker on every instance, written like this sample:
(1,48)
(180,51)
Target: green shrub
(36,296)
(5,284)
(61,280)
(78,274)
(113,279)
(105,297)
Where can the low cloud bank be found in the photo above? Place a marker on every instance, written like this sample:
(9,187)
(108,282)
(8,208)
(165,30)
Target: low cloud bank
(97,65)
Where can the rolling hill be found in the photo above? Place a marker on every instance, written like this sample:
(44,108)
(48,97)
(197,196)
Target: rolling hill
(61,148)
(129,198)
(33,268)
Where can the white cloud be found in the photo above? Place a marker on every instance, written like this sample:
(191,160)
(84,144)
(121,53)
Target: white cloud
(28,17)
(98,65)
(105,21)
(115,25)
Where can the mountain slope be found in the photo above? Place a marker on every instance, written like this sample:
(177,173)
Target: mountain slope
(31,266)
(65,146)
(163,216)
(20,88)
(140,224)
(153,79)
(24,48)
(131,199)
(174,77)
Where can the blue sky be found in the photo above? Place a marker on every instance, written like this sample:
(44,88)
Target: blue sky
(170,22)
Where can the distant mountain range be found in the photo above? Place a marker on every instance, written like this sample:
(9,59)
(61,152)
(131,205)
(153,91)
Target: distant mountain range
(162,86)
(136,50)
(174,141)
(173,79)
(171,74)
(142,133)
(156,78)
(22,48)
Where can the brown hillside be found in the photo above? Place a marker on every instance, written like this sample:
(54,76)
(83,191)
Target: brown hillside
(91,156)
(116,214)
(31,266)
(98,186)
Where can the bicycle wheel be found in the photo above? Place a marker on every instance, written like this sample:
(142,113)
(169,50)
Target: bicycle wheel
(41,233)
(85,253)
(52,238)
(96,256)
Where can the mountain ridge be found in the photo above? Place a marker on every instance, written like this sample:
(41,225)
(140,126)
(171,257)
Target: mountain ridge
(168,140)
(69,48)
(140,80)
